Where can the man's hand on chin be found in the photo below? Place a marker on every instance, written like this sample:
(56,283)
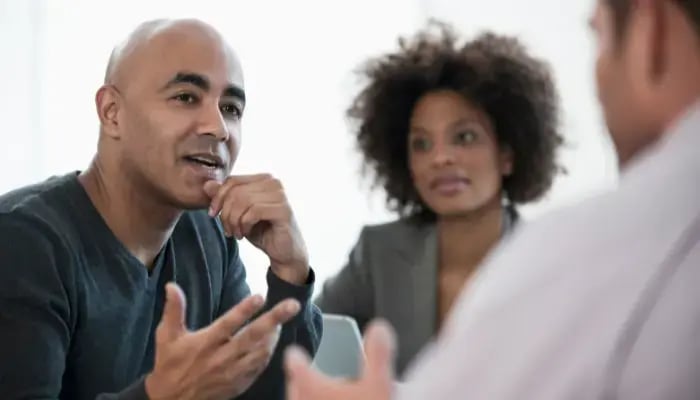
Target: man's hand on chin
(255,207)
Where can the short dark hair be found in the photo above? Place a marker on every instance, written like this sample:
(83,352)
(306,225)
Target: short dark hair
(495,72)
(621,11)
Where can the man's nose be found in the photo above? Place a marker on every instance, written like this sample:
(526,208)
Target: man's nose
(214,124)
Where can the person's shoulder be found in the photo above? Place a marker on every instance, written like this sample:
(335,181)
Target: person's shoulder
(403,229)
(39,207)
(39,197)
(31,241)
(564,228)
(594,236)
(614,221)
(38,253)
(398,235)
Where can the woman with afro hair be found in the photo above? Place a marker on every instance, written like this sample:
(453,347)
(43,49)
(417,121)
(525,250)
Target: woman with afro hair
(458,135)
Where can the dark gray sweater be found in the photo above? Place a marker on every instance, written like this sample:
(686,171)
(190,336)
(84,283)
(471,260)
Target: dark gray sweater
(78,311)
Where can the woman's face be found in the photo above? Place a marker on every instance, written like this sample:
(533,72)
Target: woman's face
(454,156)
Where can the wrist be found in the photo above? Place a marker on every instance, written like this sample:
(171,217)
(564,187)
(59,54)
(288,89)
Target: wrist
(296,274)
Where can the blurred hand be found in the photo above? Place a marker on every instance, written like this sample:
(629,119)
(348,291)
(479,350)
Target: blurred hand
(375,383)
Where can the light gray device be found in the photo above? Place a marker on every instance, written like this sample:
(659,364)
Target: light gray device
(340,353)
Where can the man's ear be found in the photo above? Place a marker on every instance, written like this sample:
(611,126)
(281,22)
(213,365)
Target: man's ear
(108,101)
(647,36)
(658,37)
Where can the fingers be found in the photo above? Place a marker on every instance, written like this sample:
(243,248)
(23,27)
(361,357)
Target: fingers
(304,382)
(239,202)
(240,356)
(172,323)
(297,362)
(230,216)
(218,191)
(234,199)
(224,327)
(255,207)
(297,366)
(262,212)
(256,359)
(244,370)
(267,323)
(259,335)
(211,188)
(380,344)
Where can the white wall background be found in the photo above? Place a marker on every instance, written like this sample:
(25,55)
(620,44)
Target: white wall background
(298,58)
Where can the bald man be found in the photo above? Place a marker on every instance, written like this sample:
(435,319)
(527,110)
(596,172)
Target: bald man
(124,281)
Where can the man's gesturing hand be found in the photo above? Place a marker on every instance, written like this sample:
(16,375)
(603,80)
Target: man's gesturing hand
(220,361)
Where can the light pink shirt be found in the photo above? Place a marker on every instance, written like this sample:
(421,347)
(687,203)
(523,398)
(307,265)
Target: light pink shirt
(597,301)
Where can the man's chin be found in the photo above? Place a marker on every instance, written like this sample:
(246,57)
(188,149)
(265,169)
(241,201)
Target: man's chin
(194,201)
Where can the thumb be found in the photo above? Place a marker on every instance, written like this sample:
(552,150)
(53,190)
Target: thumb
(299,372)
(211,188)
(380,344)
(296,362)
(172,324)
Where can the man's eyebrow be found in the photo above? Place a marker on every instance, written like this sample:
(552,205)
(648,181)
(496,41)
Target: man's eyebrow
(191,78)
(235,91)
(202,82)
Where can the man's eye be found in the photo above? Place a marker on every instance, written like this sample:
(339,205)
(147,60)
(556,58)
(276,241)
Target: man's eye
(185,98)
(232,110)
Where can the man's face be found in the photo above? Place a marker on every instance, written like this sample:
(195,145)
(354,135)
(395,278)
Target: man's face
(180,117)
(622,83)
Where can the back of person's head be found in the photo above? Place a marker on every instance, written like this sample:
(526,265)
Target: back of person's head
(648,67)
(440,109)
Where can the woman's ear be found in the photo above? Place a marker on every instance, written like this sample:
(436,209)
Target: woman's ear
(506,161)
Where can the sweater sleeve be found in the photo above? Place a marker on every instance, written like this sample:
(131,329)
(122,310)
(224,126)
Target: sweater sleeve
(304,330)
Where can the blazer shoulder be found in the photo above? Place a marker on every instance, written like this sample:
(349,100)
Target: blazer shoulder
(399,233)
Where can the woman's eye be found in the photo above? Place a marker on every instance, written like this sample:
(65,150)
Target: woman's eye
(465,137)
(420,144)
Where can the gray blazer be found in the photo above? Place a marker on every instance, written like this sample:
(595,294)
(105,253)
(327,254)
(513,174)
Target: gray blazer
(392,274)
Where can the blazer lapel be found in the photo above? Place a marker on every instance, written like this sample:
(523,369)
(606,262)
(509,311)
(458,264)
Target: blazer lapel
(424,284)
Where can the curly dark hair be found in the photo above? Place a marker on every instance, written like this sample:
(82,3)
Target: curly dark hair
(494,72)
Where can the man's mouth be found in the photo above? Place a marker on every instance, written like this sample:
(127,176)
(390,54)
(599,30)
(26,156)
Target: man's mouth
(206,160)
